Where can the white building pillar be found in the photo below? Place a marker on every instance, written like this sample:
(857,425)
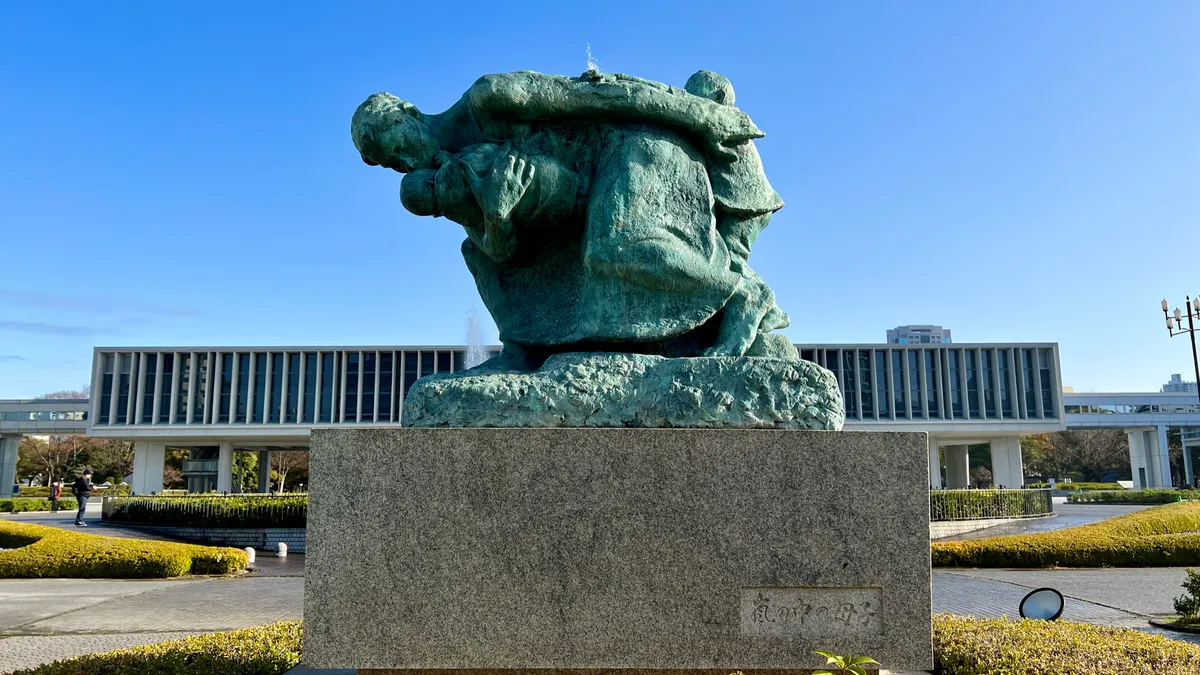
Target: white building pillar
(935,465)
(8,464)
(1142,476)
(958,467)
(1163,456)
(1007,468)
(149,460)
(264,471)
(225,468)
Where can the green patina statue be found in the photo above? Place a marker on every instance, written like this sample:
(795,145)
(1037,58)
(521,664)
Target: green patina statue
(604,213)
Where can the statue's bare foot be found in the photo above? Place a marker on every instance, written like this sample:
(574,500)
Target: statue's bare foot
(741,318)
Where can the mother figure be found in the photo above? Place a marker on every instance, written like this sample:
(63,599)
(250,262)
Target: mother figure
(603,213)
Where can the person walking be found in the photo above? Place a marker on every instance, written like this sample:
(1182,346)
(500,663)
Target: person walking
(82,490)
(55,495)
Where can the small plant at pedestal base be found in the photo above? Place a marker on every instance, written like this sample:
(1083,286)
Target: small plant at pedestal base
(1187,606)
(846,665)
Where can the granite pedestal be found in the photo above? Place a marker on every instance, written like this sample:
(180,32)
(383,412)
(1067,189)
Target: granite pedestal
(616,549)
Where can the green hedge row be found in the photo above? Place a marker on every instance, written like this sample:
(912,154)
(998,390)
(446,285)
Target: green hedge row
(1163,536)
(961,646)
(1082,485)
(974,646)
(212,511)
(978,504)
(36,551)
(1153,496)
(44,491)
(262,650)
(23,504)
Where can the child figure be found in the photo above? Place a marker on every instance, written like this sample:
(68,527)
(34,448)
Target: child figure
(491,191)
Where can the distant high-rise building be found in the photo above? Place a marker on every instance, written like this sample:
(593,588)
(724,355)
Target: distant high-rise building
(1178,386)
(919,335)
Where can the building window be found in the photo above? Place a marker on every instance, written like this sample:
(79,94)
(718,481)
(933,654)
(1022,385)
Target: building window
(932,377)
(898,384)
(985,381)
(386,360)
(276,388)
(956,404)
(328,377)
(914,382)
(1030,389)
(368,388)
(293,397)
(260,387)
(428,360)
(443,361)
(848,378)
(1047,390)
(126,365)
(310,387)
(200,384)
(972,383)
(1005,394)
(411,370)
(864,378)
(148,389)
(226,386)
(881,372)
(243,387)
(106,384)
(351,394)
(168,380)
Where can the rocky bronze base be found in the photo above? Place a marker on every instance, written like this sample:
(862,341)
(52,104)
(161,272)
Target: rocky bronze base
(609,389)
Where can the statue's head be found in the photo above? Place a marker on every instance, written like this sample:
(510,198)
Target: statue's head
(392,133)
(418,192)
(710,85)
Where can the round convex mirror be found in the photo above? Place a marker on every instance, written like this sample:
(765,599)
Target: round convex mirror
(1043,603)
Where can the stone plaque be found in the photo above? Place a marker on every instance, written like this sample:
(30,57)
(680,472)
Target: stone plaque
(812,612)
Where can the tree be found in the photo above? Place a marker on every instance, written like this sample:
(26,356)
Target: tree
(50,457)
(110,458)
(1083,454)
(67,394)
(283,461)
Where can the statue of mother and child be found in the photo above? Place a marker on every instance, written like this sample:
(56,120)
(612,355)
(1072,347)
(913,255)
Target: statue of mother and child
(603,213)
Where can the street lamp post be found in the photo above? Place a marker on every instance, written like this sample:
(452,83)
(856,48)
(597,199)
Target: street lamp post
(1175,327)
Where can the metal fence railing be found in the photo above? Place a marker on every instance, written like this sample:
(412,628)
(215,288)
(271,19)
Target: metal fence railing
(286,510)
(981,504)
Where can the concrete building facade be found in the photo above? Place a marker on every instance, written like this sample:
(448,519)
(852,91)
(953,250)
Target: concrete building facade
(215,402)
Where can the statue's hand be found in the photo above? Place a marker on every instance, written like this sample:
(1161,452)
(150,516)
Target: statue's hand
(505,184)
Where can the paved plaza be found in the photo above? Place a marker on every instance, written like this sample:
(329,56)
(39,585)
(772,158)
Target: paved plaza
(46,619)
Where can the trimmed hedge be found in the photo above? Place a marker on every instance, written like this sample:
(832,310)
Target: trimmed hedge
(43,491)
(1152,496)
(974,646)
(22,504)
(212,511)
(262,650)
(1082,485)
(37,551)
(1163,536)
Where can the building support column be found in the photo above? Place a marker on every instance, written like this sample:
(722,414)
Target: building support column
(1142,476)
(1163,456)
(8,464)
(264,471)
(149,461)
(1008,470)
(958,467)
(1188,474)
(225,468)
(935,465)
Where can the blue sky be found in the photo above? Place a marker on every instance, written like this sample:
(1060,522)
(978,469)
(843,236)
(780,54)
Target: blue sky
(184,175)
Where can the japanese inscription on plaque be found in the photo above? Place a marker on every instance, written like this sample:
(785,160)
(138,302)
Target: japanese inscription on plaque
(816,612)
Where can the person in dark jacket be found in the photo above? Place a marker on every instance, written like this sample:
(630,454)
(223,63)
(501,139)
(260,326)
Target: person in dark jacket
(82,490)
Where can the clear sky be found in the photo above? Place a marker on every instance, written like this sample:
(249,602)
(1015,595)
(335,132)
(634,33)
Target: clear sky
(1016,171)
